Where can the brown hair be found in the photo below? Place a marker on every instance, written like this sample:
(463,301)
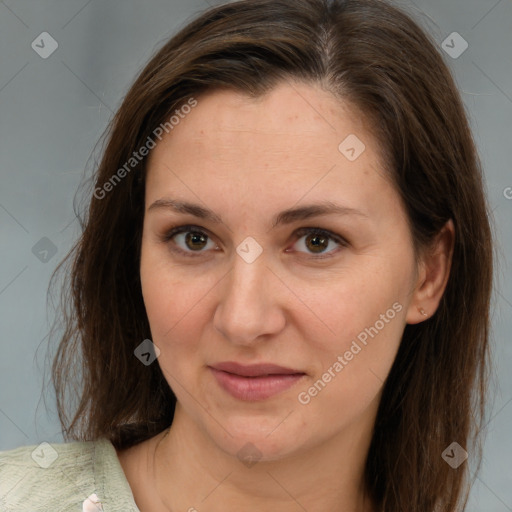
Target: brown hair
(373,55)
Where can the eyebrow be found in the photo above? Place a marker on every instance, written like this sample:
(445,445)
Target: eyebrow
(285,217)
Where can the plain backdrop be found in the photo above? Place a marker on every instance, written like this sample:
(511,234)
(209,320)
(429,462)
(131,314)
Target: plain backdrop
(55,107)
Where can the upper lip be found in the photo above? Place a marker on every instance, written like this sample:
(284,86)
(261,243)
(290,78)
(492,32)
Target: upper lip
(254,370)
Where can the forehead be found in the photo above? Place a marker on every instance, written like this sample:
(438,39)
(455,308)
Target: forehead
(285,144)
(291,109)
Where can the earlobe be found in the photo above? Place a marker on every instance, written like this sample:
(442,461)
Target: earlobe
(422,311)
(434,275)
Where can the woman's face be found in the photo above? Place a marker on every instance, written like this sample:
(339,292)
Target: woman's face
(249,280)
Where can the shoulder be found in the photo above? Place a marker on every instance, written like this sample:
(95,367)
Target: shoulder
(61,476)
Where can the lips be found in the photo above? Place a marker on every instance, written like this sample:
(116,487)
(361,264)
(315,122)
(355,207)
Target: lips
(255,370)
(255,382)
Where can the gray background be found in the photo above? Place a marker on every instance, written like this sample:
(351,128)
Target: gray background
(54,110)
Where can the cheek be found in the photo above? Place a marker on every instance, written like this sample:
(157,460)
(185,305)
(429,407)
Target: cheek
(171,303)
(353,364)
(173,307)
(171,293)
(363,318)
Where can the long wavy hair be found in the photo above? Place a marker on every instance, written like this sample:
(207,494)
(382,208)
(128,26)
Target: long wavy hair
(373,55)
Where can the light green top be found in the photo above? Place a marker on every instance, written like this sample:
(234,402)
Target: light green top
(60,477)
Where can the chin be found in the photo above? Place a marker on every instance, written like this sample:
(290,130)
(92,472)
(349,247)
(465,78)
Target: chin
(253,440)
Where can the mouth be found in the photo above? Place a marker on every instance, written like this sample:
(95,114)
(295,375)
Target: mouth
(255,370)
(254,382)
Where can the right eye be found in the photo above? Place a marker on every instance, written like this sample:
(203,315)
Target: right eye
(189,240)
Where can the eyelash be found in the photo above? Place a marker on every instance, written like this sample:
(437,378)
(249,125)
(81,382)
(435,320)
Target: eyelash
(167,237)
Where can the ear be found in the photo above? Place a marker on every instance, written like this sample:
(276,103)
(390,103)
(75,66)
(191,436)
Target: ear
(433,276)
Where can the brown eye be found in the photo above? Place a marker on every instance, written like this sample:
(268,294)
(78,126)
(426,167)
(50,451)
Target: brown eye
(316,241)
(196,241)
(188,241)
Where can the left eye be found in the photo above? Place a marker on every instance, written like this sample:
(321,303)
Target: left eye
(318,241)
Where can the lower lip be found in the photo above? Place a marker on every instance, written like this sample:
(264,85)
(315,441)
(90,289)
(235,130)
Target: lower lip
(254,388)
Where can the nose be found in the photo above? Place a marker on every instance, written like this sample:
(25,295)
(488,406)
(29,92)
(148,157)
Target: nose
(251,307)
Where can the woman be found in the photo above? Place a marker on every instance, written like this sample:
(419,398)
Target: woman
(280,299)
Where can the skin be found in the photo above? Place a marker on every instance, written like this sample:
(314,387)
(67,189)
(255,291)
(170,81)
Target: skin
(247,160)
